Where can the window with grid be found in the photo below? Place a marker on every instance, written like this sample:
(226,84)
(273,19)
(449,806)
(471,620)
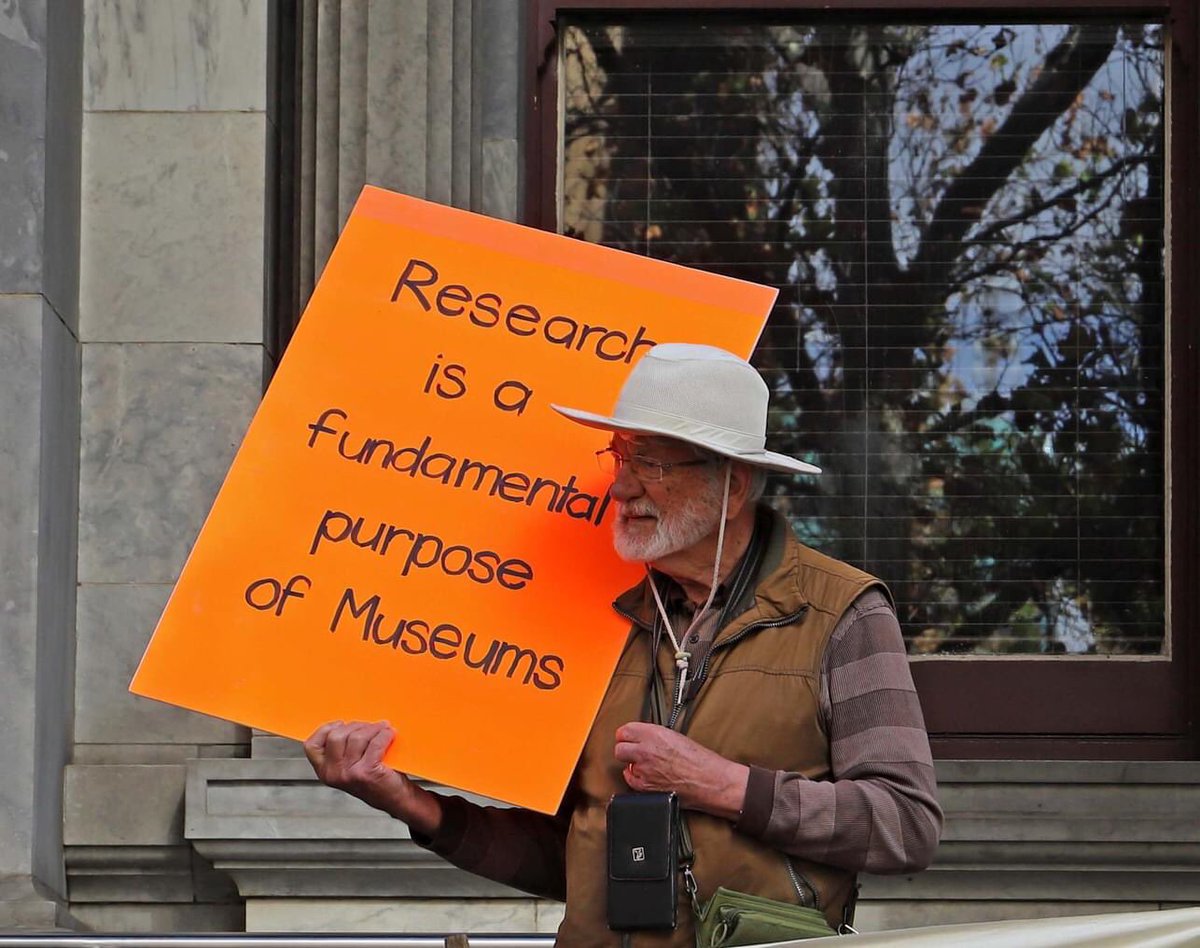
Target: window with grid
(966,225)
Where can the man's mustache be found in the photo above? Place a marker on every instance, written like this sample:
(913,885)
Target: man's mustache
(637,508)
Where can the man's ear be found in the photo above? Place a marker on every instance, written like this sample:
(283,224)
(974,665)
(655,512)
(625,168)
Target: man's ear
(741,476)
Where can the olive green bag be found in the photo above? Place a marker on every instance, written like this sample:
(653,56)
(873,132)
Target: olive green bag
(738,918)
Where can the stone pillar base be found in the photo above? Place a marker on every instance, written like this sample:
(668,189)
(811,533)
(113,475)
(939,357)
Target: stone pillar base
(26,906)
(308,858)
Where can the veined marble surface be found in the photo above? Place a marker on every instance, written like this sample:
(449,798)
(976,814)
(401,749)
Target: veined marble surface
(168,917)
(172,227)
(20,393)
(401,916)
(123,804)
(115,622)
(22,146)
(175,55)
(397,103)
(161,424)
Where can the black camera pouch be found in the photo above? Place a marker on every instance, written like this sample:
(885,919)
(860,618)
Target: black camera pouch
(643,849)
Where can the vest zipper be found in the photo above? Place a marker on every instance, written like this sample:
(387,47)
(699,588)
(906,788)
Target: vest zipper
(813,898)
(698,681)
(702,675)
(734,639)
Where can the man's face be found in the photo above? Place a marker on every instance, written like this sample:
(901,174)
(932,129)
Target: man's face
(656,518)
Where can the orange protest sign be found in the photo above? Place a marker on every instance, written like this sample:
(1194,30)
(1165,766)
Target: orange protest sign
(408,531)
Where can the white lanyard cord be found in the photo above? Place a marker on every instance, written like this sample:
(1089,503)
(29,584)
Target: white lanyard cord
(682,657)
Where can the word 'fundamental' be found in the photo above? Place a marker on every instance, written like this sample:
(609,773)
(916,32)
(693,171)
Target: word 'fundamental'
(462,473)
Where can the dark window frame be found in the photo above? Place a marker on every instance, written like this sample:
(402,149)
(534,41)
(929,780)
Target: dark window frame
(1010,707)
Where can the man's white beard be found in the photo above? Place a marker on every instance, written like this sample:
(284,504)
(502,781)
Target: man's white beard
(696,518)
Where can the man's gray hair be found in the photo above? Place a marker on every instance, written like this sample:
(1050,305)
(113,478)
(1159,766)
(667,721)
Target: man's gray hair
(758,483)
(758,475)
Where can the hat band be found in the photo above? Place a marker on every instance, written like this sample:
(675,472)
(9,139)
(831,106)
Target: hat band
(704,434)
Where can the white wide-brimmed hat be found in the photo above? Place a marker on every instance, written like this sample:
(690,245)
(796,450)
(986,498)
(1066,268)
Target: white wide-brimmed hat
(699,394)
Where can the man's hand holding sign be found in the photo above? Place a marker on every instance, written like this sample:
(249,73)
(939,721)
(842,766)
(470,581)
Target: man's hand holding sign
(349,757)
(439,555)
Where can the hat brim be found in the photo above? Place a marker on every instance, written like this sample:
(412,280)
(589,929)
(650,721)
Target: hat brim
(767,459)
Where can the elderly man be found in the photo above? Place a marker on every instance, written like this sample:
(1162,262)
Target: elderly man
(791,731)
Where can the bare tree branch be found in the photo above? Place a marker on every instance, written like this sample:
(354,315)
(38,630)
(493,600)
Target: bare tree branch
(1069,68)
(999,266)
(992,231)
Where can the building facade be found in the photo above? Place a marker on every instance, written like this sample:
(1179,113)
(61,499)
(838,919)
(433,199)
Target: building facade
(173,176)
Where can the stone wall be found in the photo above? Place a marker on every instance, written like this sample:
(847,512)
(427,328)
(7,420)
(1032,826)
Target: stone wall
(39,432)
(171,321)
(1023,839)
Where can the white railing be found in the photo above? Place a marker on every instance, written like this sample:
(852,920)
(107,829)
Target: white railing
(273,940)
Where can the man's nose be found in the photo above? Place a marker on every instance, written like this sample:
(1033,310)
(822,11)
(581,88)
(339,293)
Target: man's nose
(625,486)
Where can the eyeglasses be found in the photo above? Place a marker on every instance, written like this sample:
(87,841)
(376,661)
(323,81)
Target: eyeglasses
(644,469)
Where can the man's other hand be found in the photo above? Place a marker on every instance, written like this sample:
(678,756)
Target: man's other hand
(657,758)
(349,756)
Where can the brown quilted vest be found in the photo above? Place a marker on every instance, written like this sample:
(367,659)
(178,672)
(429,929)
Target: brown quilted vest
(759,705)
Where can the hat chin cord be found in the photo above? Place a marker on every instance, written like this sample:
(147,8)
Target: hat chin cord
(682,657)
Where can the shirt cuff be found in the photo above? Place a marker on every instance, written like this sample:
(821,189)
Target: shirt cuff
(760,800)
(449,836)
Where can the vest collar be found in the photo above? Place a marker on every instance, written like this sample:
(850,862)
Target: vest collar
(776,587)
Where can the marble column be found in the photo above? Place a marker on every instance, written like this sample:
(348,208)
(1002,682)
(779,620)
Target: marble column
(419,96)
(39,432)
(171,320)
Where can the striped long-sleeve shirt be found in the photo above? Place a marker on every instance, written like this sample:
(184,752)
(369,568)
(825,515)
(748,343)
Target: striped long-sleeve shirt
(879,813)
